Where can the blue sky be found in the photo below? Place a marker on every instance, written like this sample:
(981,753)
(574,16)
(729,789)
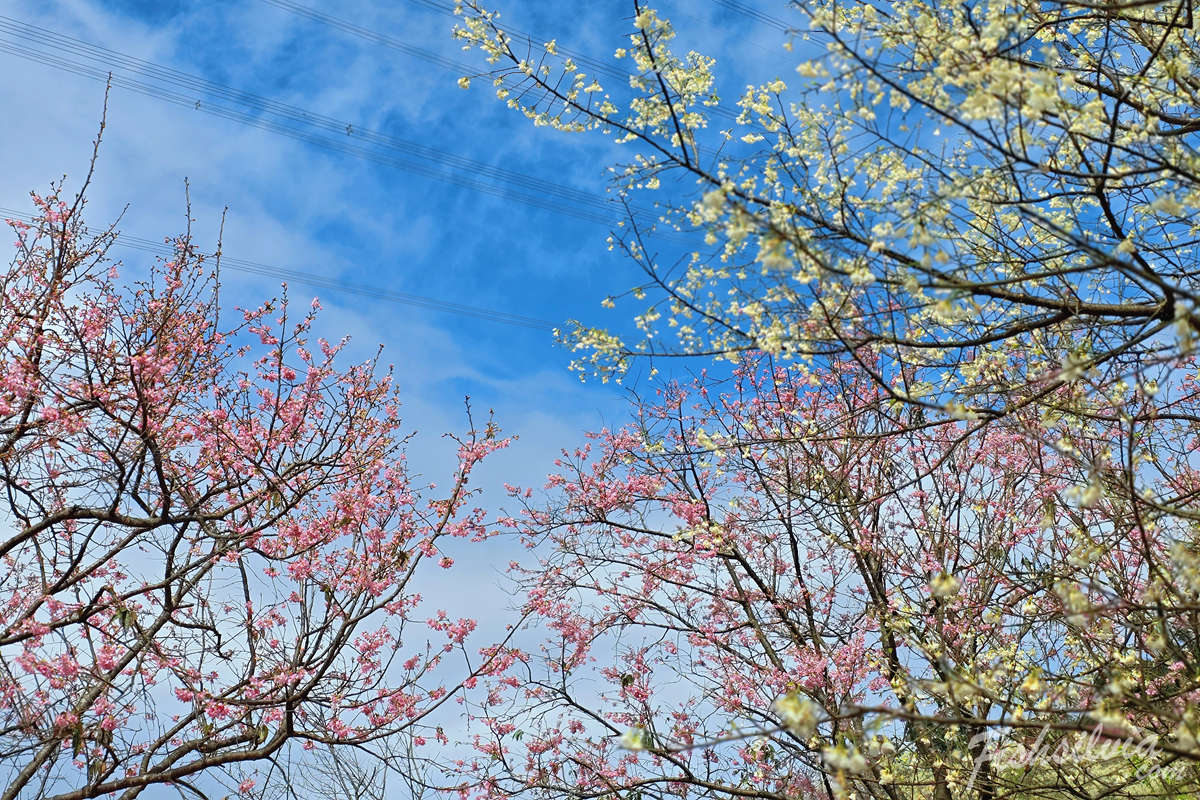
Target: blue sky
(348,219)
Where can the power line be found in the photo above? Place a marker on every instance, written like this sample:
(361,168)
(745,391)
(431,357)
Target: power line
(285,273)
(295,123)
(755,14)
(371,35)
(264,105)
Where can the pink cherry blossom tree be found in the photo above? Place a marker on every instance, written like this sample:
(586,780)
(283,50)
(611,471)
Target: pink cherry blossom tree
(781,585)
(211,535)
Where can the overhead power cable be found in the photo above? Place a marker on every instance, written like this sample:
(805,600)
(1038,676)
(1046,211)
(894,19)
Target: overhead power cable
(308,278)
(265,106)
(755,14)
(165,83)
(372,36)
